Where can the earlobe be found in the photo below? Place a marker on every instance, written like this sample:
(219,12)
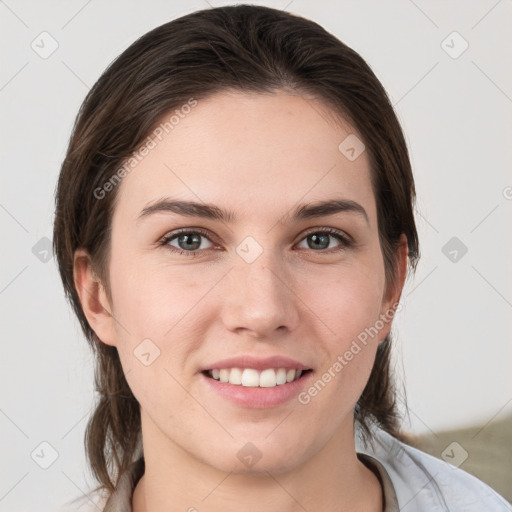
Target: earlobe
(93,298)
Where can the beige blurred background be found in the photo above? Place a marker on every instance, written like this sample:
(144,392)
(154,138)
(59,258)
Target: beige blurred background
(485,451)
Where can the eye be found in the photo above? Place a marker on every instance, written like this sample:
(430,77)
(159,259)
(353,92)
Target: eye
(326,238)
(187,241)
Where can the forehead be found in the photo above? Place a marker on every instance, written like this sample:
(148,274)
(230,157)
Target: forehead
(260,153)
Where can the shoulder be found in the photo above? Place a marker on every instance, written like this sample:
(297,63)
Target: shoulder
(423,482)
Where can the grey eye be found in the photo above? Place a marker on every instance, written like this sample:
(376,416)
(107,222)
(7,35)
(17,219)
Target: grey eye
(190,241)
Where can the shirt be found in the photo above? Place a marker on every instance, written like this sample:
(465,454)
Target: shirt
(412,481)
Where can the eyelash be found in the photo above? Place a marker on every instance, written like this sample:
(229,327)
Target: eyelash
(345,241)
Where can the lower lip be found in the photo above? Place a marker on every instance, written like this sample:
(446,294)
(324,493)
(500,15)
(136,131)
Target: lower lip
(256,397)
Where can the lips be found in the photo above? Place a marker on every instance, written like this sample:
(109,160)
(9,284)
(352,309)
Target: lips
(258,363)
(256,389)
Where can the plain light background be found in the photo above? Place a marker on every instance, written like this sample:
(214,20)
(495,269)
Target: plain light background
(453,335)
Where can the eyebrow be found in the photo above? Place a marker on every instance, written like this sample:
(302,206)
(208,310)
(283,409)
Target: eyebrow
(210,211)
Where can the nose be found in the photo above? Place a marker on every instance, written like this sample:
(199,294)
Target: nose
(259,300)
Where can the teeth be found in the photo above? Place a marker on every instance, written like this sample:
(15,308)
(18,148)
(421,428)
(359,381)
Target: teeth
(249,377)
(235,376)
(281,376)
(268,378)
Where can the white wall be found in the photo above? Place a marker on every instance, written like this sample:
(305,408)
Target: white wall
(455,329)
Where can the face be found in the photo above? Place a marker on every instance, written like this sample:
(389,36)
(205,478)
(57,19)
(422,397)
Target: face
(254,314)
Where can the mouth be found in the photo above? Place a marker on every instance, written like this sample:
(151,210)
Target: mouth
(252,378)
(255,382)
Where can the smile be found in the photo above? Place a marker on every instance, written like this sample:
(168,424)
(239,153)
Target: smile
(249,377)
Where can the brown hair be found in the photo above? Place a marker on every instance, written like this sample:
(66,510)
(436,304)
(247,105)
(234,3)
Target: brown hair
(245,48)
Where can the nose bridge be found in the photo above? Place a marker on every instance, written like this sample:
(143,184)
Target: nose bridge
(261,279)
(259,299)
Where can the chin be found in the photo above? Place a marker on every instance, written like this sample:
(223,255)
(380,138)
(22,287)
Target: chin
(260,456)
(258,467)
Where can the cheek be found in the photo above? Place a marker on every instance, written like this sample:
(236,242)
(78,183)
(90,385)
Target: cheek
(350,311)
(347,301)
(153,300)
(154,312)
(161,319)
(348,306)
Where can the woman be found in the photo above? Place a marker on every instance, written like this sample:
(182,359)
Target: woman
(234,224)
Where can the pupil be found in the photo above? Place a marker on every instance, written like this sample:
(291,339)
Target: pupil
(319,242)
(190,240)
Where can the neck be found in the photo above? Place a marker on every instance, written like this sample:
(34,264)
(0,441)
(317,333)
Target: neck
(332,480)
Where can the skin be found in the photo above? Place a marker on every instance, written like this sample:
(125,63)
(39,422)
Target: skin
(256,155)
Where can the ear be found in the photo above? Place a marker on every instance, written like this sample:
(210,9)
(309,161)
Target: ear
(394,289)
(93,298)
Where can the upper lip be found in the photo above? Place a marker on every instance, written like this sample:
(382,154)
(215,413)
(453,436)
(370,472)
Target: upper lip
(257,363)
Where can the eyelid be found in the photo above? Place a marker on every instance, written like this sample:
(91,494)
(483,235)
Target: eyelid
(171,235)
(331,231)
